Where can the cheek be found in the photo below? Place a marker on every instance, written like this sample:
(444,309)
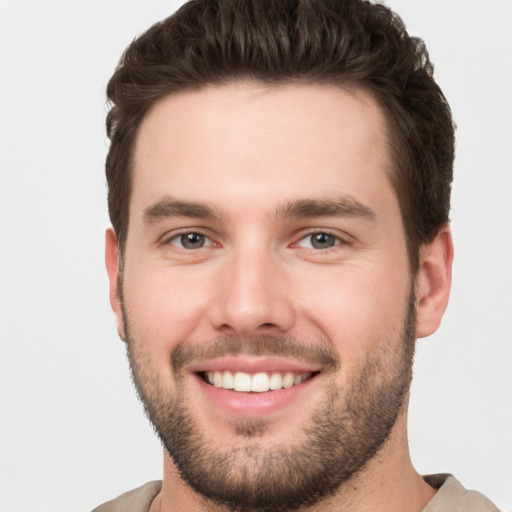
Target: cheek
(164,307)
(357,307)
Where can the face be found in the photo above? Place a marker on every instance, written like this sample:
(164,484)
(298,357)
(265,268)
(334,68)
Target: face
(266,295)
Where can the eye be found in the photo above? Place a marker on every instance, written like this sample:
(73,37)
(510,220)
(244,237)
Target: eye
(190,241)
(319,241)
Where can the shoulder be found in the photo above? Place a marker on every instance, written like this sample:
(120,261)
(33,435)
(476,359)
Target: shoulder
(453,497)
(136,500)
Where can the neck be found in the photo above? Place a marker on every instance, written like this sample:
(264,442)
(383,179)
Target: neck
(388,483)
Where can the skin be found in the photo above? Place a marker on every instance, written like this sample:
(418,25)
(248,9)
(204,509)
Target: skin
(247,151)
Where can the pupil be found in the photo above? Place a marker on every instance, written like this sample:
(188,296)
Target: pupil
(322,240)
(192,240)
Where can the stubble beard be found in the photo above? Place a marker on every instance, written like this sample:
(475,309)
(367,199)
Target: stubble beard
(344,433)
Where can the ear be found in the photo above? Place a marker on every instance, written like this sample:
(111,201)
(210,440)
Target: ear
(112,263)
(433,282)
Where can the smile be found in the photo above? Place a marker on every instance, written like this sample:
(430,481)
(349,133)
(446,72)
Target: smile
(260,382)
(249,387)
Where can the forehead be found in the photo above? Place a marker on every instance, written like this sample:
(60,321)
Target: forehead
(247,142)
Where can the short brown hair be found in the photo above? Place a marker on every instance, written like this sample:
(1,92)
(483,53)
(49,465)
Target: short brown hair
(350,43)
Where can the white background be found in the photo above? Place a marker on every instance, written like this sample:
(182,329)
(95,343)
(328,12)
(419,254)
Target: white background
(72,433)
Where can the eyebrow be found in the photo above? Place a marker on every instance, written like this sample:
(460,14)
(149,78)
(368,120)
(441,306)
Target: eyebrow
(170,207)
(345,206)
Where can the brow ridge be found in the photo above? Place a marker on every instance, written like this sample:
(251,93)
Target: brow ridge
(170,207)
(345,206)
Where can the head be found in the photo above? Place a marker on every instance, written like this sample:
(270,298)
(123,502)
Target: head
(279,181)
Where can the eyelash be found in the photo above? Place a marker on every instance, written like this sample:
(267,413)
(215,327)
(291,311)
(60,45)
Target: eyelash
(179,236)
(337,240)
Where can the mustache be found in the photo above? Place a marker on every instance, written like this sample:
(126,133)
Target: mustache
(318,352)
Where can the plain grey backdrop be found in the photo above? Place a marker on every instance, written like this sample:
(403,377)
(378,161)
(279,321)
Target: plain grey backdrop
(72,433)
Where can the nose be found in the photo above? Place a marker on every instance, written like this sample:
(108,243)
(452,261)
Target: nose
(253,296)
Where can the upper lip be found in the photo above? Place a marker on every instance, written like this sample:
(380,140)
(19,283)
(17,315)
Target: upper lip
(252,364)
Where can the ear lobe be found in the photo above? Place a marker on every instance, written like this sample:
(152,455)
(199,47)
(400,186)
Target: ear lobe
(433,282)
(112,264)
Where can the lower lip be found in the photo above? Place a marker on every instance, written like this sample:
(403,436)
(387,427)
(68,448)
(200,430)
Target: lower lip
(253,405)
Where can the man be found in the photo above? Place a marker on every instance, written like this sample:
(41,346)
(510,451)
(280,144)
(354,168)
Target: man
(279,186)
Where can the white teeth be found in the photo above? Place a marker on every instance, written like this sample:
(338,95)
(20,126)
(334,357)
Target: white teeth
(257,383)
(242,382)
(276,381)
(300,378)
(217,379)
(288,380)
(228,381)
(260,383)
